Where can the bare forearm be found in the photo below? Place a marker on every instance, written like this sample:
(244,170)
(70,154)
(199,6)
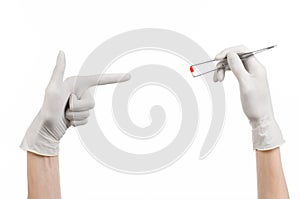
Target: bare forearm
(43,177)
(270,177)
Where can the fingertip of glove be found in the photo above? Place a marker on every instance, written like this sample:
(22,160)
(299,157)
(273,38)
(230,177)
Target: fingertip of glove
(215,79)
(126,77)
(71,100)
(219,56)
(231,55)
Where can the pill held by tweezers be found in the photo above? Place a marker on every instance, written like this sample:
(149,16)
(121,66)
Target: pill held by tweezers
(191,69)
(196,72)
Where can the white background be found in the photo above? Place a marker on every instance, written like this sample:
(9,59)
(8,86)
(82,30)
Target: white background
(32,32)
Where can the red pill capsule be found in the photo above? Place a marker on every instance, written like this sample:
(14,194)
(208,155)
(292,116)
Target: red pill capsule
(191,69)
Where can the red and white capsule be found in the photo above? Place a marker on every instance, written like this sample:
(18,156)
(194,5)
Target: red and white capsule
(194,71)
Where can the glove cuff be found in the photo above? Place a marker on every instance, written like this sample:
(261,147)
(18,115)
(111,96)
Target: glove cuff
(44,148)
(266,134)
(37,140)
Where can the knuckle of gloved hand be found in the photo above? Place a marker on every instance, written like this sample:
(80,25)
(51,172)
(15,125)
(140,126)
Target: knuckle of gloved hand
(79,123)
(70,80)
(91,104)
(83,115)
(243,47)
(69,115)
(231,56)
(86,114)
(73,123)
(220,64)
(85,121)
(71,104)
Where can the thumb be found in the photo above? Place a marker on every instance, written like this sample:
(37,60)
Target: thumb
(236,65)
(59,70)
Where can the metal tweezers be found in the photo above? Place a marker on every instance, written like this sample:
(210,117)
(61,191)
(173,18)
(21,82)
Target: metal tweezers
(241,55)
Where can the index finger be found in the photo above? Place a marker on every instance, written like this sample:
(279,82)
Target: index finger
(86,82)
(236,49)
(103,79)
(79,84)
(251,63)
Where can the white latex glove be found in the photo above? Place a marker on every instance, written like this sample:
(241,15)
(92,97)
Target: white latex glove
(66,102)
(255,96)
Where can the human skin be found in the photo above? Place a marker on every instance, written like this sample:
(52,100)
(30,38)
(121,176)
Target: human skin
(43,171)
(65,104)
(257,106)
(43,177)
(271,182)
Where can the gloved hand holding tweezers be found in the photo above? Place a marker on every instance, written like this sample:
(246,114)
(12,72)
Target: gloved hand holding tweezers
(255,96)
(196,72)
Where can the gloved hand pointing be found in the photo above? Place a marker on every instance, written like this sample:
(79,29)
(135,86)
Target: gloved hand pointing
(66,102)
(255,96)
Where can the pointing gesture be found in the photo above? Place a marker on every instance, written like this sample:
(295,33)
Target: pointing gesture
(66,102)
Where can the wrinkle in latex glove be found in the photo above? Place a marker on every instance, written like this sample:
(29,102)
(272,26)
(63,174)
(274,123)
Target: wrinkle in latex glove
(66,102)
(255,96)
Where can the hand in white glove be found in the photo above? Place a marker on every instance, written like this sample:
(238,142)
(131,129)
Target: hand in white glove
(67,102)
(255,96)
